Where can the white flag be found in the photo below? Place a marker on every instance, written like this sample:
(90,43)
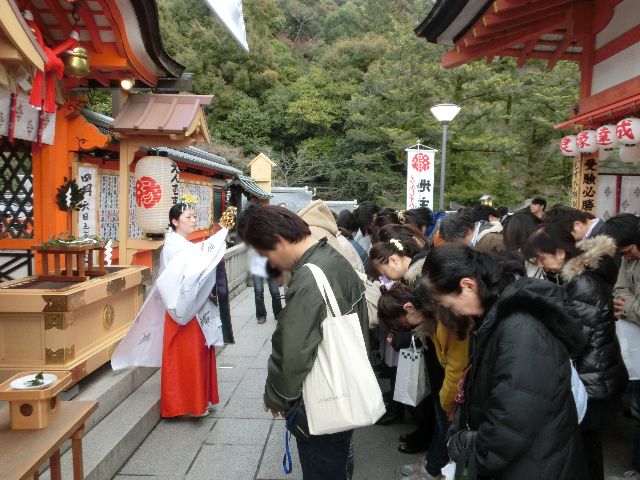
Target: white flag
(230,12)
(420,178)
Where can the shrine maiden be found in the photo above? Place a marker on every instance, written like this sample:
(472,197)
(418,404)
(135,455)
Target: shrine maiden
(178,326)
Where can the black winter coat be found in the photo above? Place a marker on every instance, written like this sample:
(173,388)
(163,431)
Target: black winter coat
(588,280)
(518,403)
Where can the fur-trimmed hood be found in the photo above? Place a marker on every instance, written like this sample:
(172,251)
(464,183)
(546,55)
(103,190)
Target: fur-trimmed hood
(594,249)
(415,269)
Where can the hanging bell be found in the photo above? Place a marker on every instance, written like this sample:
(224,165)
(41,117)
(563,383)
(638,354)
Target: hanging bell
(76,62)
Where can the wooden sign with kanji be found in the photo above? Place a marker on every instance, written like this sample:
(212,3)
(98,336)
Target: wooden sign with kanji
(584,183)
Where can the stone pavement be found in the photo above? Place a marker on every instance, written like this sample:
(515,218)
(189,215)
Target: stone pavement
(240,441)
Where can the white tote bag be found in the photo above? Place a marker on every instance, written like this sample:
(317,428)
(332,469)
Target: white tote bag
(579,393)
(341,391)
(411,379)
(629,338)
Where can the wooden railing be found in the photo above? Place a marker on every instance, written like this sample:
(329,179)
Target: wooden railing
(236,262)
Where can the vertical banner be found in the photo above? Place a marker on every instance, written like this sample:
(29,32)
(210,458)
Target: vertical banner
(583,186)
(88,180)
(420,177)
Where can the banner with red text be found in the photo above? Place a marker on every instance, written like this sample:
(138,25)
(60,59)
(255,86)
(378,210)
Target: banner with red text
(420,178)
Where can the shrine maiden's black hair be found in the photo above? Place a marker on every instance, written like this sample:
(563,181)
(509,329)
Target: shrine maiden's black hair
(175,212)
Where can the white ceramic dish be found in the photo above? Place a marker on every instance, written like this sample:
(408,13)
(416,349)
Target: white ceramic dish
(22,383)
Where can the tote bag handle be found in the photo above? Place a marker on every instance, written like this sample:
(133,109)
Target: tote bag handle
(325,290)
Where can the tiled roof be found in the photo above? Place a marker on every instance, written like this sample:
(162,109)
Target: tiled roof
(190,155)
(249,185)
(160,113)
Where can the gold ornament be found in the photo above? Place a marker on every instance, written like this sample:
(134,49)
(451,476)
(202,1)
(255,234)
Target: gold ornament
(108,316)
(228,219)
(76,62)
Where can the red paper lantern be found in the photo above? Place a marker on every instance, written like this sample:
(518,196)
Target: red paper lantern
(586,141)
(568,146)
(628,131)
(156,190)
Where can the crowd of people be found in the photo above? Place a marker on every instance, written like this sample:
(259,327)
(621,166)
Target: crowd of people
(529,297)
(516,315)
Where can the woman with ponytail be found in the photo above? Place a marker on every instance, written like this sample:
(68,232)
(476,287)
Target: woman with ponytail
(399,253)
(517,419)
(397,256)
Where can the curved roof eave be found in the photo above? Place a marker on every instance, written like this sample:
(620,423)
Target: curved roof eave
(149,20)
(450,19)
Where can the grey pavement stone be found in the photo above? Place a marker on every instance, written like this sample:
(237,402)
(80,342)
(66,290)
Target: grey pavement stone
(256,331)
(244,408)
(250,388)
(261,360)
(232,462)
(271,464)
(257,374)
(239,431)
(240,366)
(170,448)
(246,347)
(225,390)
(376,452)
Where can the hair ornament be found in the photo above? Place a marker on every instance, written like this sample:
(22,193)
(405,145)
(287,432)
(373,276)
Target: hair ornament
(188,200)
(397,244)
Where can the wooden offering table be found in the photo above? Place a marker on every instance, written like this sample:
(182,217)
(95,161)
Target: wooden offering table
(23,451)
(67,326)
(71,273)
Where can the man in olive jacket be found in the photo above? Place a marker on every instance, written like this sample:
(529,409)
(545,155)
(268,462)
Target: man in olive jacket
(285,239)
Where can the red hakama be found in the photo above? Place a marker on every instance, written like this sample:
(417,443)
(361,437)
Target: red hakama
(189,378)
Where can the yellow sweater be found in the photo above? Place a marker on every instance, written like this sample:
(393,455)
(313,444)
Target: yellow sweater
(453,355)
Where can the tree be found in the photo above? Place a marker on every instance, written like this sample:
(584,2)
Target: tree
(335,90)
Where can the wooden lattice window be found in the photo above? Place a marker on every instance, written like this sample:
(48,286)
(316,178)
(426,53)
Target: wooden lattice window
(16,189)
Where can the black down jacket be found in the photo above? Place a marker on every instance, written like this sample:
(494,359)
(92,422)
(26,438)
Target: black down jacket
(519,417)
(589,279)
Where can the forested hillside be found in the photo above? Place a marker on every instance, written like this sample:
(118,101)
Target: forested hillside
(334,90)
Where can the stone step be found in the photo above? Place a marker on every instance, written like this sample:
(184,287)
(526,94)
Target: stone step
(110,389)
(116,434)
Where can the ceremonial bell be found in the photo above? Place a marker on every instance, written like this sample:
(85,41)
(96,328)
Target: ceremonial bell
(76,62)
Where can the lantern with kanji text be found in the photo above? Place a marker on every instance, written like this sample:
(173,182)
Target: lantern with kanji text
(628,131)
(586,141)
(607,140)
(606,137)
(156,191)
(568,146)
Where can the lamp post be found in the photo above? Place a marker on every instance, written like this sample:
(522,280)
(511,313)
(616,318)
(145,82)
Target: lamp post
(444,113)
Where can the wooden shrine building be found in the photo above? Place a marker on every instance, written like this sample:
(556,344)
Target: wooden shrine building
(603,37)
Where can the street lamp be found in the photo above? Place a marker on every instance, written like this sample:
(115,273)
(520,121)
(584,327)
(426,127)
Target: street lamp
(444,113)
